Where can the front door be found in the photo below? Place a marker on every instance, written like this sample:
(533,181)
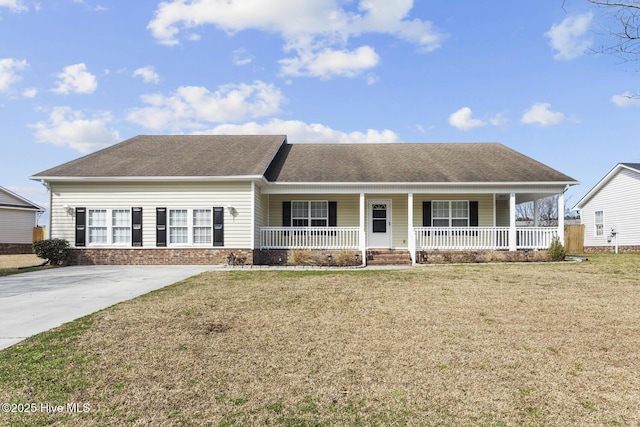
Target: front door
(379,224)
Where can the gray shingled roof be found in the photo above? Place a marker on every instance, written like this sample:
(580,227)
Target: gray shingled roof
(428,162)
(271,156)
(635,166)
(176,156)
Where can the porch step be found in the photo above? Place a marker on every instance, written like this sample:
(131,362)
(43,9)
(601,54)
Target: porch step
(388,257)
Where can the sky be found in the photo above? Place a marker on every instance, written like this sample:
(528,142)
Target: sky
(80,75)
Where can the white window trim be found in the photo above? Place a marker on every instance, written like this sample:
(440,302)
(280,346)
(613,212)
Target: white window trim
(595,224)
(309,217)
(451,217)
(190,227)
(109,226)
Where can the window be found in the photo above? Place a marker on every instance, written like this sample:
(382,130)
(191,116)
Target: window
(599,223)
(109,226)
(450,213)
(202,226)
(190,226)
(121,226)
(97,226)
(309,213)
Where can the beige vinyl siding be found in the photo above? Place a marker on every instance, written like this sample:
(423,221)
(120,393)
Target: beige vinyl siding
(261,213)
(485,206)
(8,199)
(150,196)
(619,199)
(503,218)
(348,207)
(16,226)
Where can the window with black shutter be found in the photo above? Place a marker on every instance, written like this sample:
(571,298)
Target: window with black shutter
(218,226)
(161,226)
(81,226)
(136,226)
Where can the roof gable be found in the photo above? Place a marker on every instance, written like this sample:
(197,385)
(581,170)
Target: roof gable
(9,199)
(634,167)
(175,156)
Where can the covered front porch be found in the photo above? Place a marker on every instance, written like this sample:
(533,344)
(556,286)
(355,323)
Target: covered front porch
(413,222)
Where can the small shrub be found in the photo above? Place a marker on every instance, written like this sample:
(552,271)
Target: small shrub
(557,252)
(303,257)
(344,258)
(56,251)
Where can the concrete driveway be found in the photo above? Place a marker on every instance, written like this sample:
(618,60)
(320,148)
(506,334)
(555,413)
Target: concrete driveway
(38,301)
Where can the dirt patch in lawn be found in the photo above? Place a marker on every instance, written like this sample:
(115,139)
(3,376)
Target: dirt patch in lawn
(544,344)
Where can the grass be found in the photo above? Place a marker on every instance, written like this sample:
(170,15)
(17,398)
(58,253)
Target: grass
(451,345)
(9,264)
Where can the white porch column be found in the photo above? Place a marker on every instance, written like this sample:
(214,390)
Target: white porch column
(411,235)
(536,213)
(512,222)
(363,237)
(561,217)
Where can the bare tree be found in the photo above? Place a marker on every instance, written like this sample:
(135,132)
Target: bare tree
(625,28)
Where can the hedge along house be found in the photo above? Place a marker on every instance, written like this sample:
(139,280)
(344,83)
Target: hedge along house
(198,199)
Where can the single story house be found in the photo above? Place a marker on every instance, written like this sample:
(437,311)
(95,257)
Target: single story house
(18,217)
(610,211)
(200,199)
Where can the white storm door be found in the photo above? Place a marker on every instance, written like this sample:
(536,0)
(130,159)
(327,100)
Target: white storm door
(379,224)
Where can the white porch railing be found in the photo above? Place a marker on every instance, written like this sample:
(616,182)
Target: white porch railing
(309,237)
(465,238)
(535,237)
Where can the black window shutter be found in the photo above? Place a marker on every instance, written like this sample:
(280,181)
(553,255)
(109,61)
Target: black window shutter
(333,214)
(161,226)
(218,226)
(426,214)
(286,214)
(81,226)
(473,214)
(136,224)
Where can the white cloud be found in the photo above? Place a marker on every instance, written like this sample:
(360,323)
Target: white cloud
(626,99)
(462,120)
(318,30)
(240,57)
(194,107)
(540,114)
(9,68)
(76,79)
(569,39)
(327,63)
(30,92)
(68,128)
(14,5)
(148,74)
(301,132)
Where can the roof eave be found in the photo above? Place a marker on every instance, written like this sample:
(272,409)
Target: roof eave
(144,178)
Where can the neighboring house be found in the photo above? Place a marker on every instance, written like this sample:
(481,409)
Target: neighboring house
(18,217)
(197,199)
(610,211)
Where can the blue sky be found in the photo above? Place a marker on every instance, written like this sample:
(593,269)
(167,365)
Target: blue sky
(80,75)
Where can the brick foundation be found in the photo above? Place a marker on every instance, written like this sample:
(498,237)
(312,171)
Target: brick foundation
(15,248)
(307,257)
(160,256)
(480,256)
(611,249)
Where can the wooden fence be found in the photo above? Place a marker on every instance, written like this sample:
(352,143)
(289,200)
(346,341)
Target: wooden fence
(574,238)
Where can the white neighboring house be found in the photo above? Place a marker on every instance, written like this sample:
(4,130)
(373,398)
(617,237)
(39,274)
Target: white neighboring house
(18,216)
(610,211)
